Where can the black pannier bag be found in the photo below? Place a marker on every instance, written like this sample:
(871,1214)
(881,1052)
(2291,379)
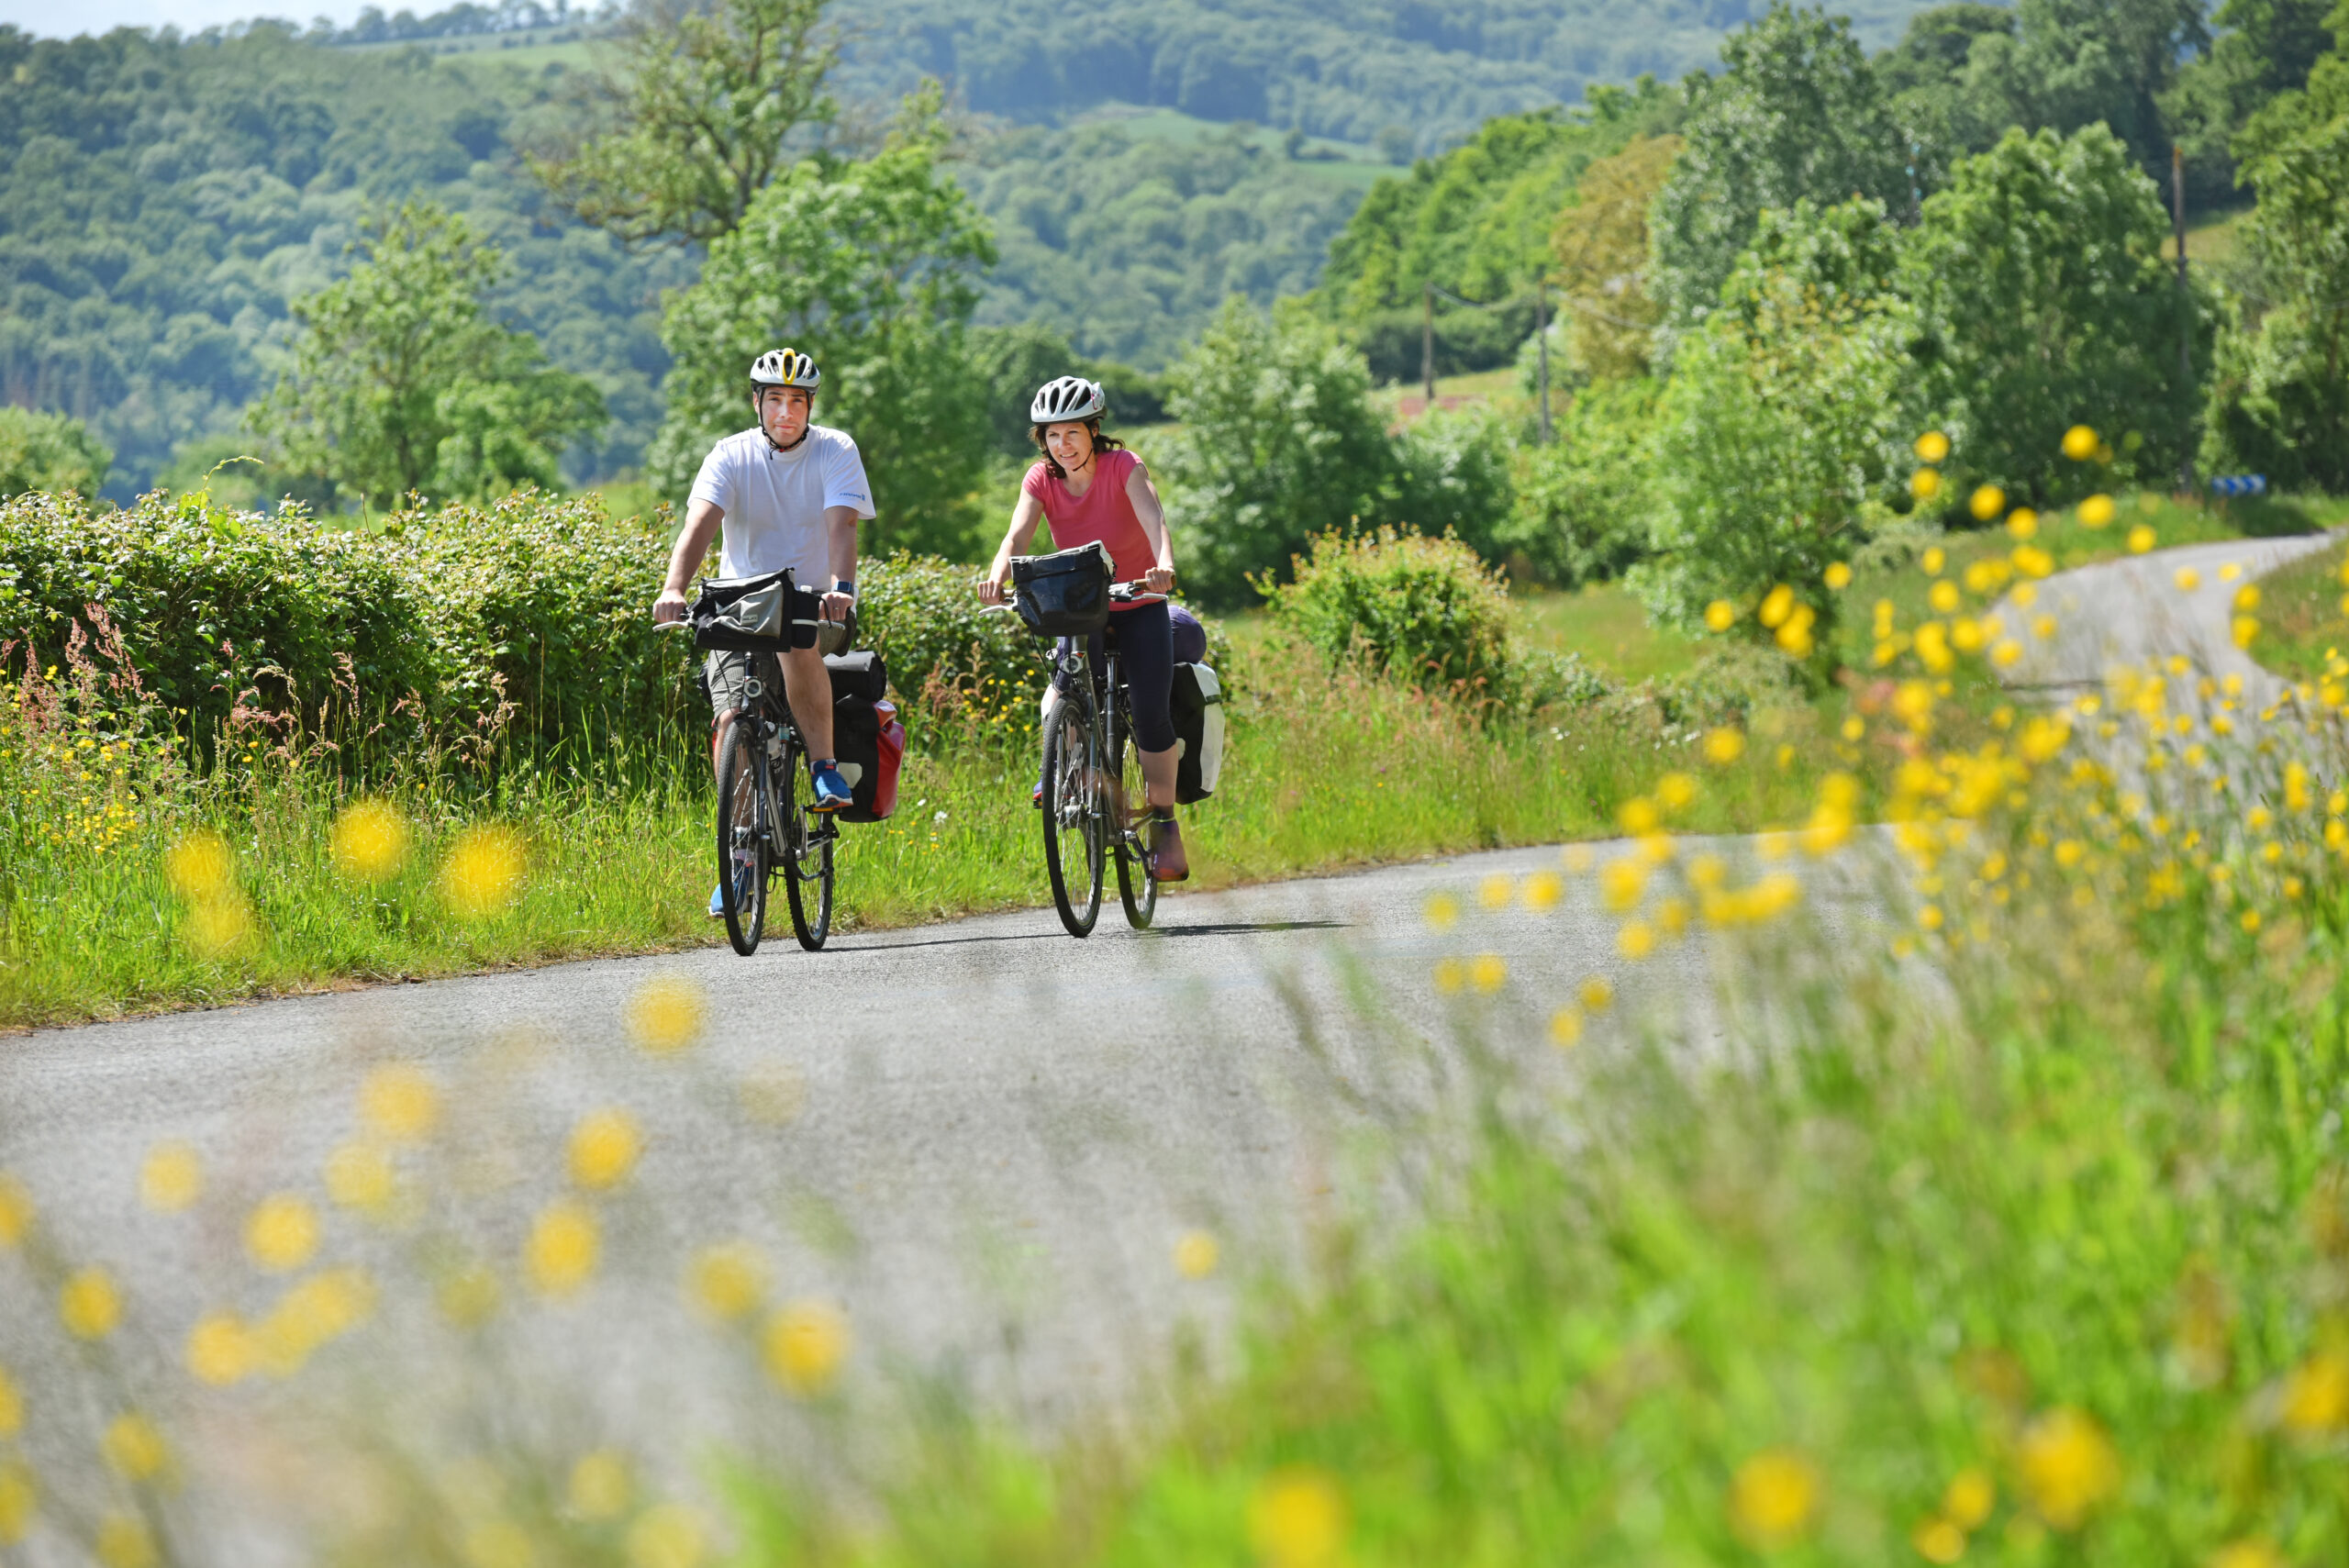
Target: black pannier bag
(1066,595)
(767,614)
(1196,707)
(868,742)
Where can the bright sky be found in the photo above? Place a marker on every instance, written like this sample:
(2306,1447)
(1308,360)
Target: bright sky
(48,19)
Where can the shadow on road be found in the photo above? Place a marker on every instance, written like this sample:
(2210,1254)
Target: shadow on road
(1248,927)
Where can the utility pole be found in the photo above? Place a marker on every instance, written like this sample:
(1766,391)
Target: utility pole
(2185,311)
(1427,339)
(1541,348)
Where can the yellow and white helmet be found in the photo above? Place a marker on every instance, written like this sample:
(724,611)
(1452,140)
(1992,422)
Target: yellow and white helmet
(786,367)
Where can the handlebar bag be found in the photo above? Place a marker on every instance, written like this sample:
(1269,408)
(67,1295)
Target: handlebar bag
(767,614)
(1196,704)
(1063,594)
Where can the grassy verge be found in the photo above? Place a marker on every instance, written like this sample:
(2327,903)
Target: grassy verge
(1607,628)
(1321,773)
(2043,1270)
(2301,624)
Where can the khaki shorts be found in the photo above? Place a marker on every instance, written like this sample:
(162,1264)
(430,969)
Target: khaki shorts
(726,676)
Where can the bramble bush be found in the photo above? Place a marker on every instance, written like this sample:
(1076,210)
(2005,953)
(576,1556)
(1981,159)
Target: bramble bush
(1429,610)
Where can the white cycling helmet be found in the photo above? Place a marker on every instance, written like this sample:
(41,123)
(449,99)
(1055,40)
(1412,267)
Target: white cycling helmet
(1070,397)
(786,367)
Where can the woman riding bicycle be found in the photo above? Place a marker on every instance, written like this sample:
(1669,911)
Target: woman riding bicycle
(1094,491)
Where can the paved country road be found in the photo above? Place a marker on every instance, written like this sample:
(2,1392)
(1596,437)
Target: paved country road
(981,1139)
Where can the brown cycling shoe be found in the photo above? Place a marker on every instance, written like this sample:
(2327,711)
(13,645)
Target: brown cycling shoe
(1167,862)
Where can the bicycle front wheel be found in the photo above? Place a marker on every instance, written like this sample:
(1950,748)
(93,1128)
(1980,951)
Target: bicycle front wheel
(742,838)
(808,841)
(1129,810)
(1073,825)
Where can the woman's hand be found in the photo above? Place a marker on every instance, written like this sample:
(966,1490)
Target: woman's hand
(992,592)
(1159,580)
(669,607)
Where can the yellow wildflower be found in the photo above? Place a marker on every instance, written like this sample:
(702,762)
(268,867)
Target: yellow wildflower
(805,1343)
(1970,1497)
(1195,1254)
(1724,746)
(2080,443)
(171,1178)
(1488,973)
(134,1448)
(565,1244)
(370,841)
(1721,615)
(1297,1518)
(726,1282)
(19,1501)
(16,1210)
(2095,512)
(666,1535)
(2068,1467)
(220,1350)
(399,1103)
(89,1304)
(1932,447)
(603,1149)
(666,1014)
(484,872)
(1774,1500)
(600,1485)
(1441,911)
(281,1233)
(2023,524)
(2315,1400)
(124,1542)
(1986,503)
(1838,575)
(1924,484)
(1566,1027)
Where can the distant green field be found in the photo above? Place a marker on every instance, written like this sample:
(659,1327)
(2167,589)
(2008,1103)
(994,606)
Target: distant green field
(1606,626)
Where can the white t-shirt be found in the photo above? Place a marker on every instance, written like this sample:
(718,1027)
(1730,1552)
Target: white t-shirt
(774,501)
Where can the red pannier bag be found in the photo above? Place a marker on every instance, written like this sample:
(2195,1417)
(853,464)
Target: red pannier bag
(866,735)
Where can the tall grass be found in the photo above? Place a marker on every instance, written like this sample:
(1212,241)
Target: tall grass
(614,855)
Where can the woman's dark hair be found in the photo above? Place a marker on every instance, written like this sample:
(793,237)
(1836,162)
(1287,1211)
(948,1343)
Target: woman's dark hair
(1101,443)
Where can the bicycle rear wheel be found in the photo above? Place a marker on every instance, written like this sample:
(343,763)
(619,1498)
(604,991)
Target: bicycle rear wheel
(742,848)
(1073,822)
(808,841)
(1136,889)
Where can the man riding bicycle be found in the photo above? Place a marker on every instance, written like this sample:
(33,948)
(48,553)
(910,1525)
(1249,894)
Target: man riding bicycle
(1093,491)
(786,493)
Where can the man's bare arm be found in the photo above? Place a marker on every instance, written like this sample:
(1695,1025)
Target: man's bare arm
(702,521)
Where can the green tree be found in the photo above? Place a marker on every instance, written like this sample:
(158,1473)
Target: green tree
(2071,63)
(1278,443)
(2040,282)
(693,119)
(2279,401)
(1011,362)
(1583,507)
(1781,429)
(871,268)
(401,383)
(2264,48)
(1797,116)
(48,451)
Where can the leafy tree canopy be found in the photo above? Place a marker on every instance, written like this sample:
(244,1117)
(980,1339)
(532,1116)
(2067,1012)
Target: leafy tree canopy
(2280,398)
(400,383)
(871,268)
(2039,278)
(690,117)
(48,451)
(1795,115)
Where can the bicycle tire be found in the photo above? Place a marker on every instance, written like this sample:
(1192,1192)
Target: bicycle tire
(741,800)
(801,844)
(1072,787)
(1136,889)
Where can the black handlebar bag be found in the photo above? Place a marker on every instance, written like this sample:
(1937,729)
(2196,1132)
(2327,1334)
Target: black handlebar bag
(768,614)
(1064,594)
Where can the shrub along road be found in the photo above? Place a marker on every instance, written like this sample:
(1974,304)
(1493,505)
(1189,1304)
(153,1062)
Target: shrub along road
(1002,1154)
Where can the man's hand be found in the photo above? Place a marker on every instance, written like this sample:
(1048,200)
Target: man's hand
(837,604)
(1159,580)
(669,607)
(992,592)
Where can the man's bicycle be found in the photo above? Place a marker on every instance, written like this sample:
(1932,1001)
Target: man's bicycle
(767,824)
(1092,779)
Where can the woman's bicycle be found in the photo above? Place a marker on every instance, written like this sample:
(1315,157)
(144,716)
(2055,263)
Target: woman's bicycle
(1092,778)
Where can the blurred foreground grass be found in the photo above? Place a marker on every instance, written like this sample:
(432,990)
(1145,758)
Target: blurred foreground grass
(2301,612)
